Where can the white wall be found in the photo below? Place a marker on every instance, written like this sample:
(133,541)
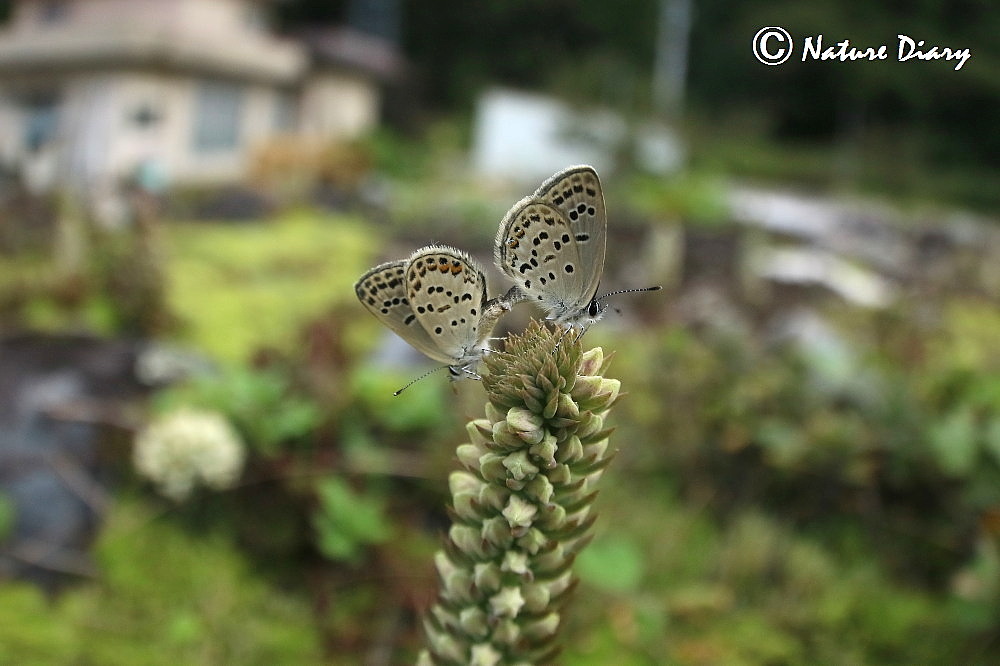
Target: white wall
(339,106)
(200,16)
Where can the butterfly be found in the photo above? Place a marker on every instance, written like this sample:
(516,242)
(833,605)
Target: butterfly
(436,301)
(552,244)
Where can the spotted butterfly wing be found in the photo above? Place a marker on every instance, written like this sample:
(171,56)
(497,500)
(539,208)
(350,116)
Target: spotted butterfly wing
(382,291)
(446,289)
(552,245)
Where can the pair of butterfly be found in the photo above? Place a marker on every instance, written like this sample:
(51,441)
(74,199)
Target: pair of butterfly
(551,244)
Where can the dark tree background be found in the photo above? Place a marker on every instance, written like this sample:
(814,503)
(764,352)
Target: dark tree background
(602,53)
(605,50)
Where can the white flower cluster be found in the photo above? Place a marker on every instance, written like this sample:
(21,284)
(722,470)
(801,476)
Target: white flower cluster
(188,447)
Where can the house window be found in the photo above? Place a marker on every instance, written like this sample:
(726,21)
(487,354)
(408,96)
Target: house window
(41,122)
(217,114)
(255,18)
(286,113)
(53,11)
(144,116)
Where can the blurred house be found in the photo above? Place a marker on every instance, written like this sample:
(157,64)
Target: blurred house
(184,92)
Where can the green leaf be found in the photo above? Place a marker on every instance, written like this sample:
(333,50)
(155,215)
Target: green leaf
(7,515)
(784,444)
(991,437)
(614,563)
(954,443)
(423,406)
(347,520)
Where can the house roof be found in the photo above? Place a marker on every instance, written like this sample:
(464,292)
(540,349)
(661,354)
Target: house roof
(260,58)
(354,50)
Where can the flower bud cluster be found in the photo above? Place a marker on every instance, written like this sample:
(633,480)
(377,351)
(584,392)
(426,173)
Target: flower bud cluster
(187,448)
(521,503)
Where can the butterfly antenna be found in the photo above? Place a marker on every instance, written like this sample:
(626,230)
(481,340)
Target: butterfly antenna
(414,381)
(629,291)
(566,331)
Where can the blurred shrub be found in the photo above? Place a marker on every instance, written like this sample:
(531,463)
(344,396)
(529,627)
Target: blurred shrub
(238,289)
(262,403)
(693,198)
(612,564)
(894,449)
(423,408)
(346,520)
(7,515)
(164,598)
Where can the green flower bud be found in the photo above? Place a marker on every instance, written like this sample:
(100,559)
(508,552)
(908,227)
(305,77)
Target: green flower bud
(507,602)
(545,451)
(484,654)
(487,578)
(519,467)
(507,632)
(560,474)
(494,496)
(466,505)
(458,585)
(469,455)
(519,513)
(463,482)
(587,387)
(552,517)
(447,647)
(589,424)
(532,542)
(479,432)
(515,562)
(541,628)
(505,438)
(472,620)
(497,532)
(536,597)
(524,420)
(492,469)
(591,362)
(467,539)
(570,450)
(445,567)
(568,409)
(560,584)
(608,393)
(493,414)
(551,405)
(540,489)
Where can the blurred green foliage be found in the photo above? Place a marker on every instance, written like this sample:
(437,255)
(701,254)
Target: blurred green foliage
(262,403)
(346,521)
(695,199)
(899,449)
(611,564)
(237,288)
(164,597)
(425,406)
(7,515)
(754,590)
(770,504)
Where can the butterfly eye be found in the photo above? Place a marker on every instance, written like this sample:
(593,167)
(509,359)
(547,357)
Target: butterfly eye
(594,308)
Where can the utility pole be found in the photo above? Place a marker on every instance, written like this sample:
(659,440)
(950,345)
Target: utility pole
(670,65)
